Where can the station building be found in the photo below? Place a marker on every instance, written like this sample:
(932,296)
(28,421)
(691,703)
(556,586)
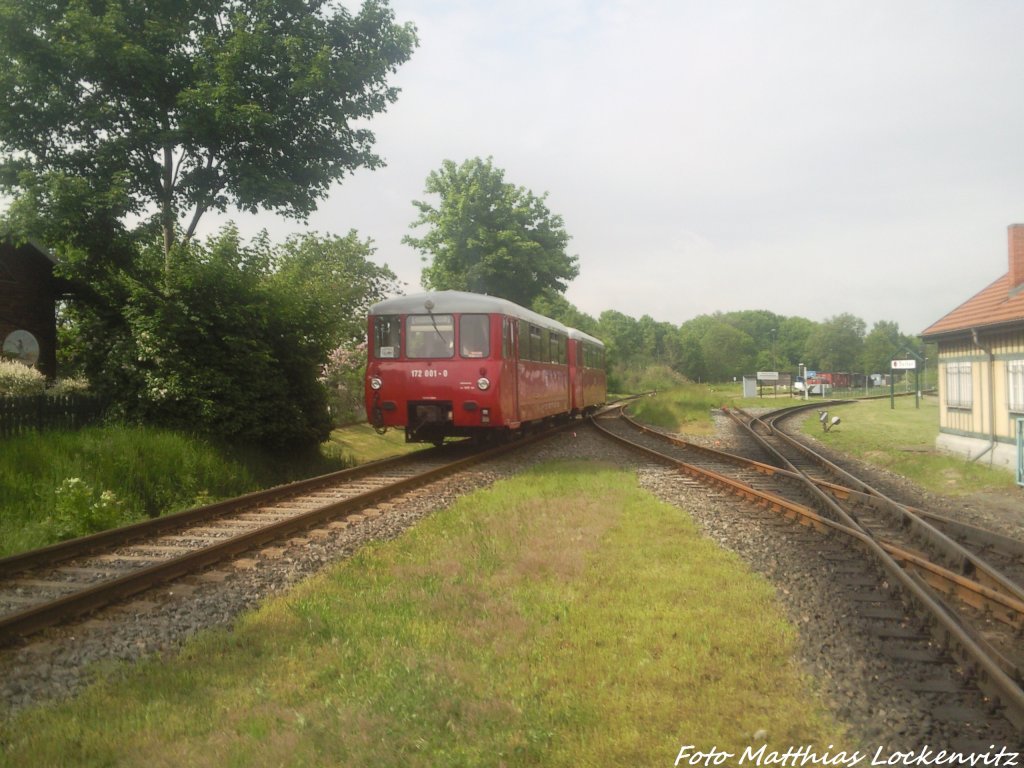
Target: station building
(981,369)
(28,296)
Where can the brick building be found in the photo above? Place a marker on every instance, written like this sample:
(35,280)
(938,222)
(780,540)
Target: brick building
(28,298)
(981,367)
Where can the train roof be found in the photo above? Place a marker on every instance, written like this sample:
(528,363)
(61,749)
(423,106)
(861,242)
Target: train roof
(575,333)
(458,302)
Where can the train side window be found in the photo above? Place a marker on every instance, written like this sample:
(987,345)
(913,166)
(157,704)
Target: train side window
(474,336)
(536,344)
(557,348)
(506,338)
(387,337)
(429,336)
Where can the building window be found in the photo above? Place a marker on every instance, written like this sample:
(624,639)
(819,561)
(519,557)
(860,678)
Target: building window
(959,392)
(1015,384)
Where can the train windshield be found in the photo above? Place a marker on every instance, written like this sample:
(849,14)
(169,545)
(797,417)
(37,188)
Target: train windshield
(387,337)
(473,336)
(429,336)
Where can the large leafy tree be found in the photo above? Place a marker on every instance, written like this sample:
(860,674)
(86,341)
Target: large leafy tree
(791,342)
(122,124)
(880,346)
(727,351)
(883,344)
(836,344)
(554,305)
(331,282)
(489,236)
(168,110)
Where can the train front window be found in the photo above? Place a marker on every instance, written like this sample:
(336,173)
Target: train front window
(429,336)
(473,336)
(387,337)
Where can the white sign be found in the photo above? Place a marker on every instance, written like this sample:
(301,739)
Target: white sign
(767,375)
(898,365)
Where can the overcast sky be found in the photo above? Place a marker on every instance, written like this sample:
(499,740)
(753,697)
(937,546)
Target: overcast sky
(806,157)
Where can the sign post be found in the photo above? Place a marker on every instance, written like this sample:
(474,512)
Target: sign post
(902,365)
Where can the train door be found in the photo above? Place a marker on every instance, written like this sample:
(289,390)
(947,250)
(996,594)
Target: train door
(510,365)
(576,375)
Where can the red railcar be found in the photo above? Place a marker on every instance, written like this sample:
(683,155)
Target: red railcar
(450,364)
(586,373)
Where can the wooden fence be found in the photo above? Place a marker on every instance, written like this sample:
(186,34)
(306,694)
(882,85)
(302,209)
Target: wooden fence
(19,415)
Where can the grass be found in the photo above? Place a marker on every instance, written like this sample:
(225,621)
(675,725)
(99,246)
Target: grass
(682,408)
(562,618)
(56,485)
(902,440)
(59,484)
(359,443)
(687,407)
(142,472)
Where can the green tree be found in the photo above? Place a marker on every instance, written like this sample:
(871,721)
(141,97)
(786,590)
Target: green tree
(622,337)
(111,108)
(218,350)
(881,346)
(691,355)
(489,236)
(330,283)
(554,305)
(235,343)
(122,124)
(836,344)
(727,351)
(792,342)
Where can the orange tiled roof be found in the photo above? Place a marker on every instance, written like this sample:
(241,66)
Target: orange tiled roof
(992,306)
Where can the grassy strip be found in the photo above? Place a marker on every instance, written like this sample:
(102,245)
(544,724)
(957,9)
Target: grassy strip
(359,443)
(56,485)
(685,408)
(902,440)
(564,618)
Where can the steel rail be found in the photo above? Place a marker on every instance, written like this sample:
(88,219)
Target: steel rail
(104,540)
(989,670)
(16,625)
(967,562)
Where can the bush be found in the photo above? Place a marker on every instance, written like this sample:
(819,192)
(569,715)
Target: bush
(70,386)
(653,377)
(18,379)
(342,377)
(680,408)
(79,510)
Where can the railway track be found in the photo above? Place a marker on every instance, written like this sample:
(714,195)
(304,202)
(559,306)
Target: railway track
(52,585)
(961,606)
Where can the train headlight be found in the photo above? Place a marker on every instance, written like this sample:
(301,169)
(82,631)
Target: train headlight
(483,383)
(375,382)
